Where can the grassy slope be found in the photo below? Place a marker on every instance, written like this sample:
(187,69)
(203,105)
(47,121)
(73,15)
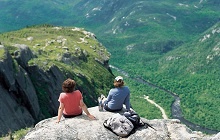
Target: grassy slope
(152,32)
(45,45)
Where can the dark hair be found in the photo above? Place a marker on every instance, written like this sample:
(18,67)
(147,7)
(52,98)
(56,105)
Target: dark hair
(68,85)
(118,83)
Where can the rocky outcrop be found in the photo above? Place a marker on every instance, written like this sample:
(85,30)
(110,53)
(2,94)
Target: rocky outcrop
(29,92)
(82,128)
(18,99)
(23,54)
(24,91)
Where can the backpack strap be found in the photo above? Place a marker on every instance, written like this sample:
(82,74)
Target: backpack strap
(141,123)
(107,126)
(147,125)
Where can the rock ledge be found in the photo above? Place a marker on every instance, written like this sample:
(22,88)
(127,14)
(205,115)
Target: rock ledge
(82,128)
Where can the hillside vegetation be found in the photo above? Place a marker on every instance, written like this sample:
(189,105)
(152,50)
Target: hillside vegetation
(171,43)
(54,45)
(192,71)
(34,62)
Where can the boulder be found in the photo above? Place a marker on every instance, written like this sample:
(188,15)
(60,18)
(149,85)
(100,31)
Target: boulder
(82,128)
(23,54)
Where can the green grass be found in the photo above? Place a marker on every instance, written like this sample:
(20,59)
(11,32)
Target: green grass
(61,47)
(154,35)
(2,54)
(17,135)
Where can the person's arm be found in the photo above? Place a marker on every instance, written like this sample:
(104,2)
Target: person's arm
(109,97)
(85,109)
(127,102)
(60,112)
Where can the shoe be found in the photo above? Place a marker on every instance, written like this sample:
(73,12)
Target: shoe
(100,104)
(99,99)
(102,96)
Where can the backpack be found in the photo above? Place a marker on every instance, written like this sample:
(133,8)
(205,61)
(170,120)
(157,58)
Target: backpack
(136,120)
(119,125)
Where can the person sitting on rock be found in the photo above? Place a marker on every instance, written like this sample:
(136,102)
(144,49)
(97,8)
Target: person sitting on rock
(117,96)
(71,101)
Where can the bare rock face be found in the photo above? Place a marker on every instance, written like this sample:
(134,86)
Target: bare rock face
(13,115)
(82,128)
(31,76)
(29,93)
(18,99)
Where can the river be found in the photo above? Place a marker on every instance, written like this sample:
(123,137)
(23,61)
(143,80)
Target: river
(175,107)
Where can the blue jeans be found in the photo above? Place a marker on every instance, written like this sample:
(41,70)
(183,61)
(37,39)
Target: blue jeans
(110,110)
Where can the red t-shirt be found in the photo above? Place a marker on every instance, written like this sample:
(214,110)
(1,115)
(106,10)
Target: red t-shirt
(71,102)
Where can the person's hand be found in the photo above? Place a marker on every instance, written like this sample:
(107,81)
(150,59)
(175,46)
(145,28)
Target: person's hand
(91,117)
(57,121)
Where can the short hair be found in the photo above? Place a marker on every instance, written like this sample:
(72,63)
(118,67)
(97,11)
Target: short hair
(118,83)
(68,85)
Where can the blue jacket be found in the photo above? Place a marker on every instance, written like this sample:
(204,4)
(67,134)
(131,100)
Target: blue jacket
(117,97)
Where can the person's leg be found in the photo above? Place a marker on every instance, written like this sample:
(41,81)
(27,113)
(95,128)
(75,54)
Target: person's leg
(103,97)
(107,108)
(71,116)
(104,101)
(110,110)
(100,104)
(105,104)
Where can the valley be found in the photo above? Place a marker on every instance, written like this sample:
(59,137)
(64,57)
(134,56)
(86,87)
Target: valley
(172,44)
(175,107)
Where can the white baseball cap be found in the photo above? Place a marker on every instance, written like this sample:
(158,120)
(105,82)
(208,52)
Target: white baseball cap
(119,78)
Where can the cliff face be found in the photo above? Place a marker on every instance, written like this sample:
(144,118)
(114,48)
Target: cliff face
(18,98)
(32,69)
(82,128)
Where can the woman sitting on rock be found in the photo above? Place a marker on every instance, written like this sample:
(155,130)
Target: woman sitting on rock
(71,101)
(117,96)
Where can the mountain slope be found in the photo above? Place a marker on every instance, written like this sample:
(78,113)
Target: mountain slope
(34,63)
(138,34)
(192,71)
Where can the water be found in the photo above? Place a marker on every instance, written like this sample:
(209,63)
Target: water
(175,107)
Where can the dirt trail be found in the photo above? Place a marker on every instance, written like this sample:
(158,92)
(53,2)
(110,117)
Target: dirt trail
(161,109)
